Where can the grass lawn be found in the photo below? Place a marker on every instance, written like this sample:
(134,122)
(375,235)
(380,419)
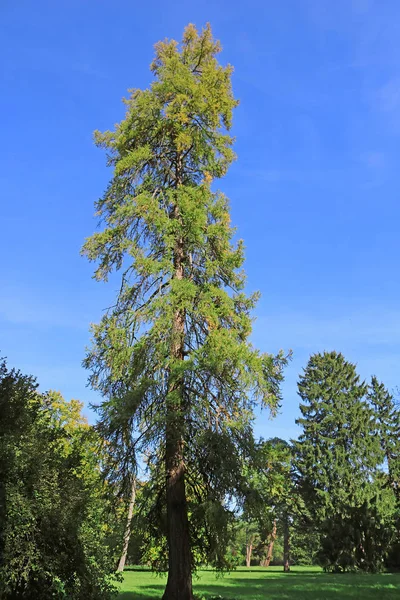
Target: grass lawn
(257,583)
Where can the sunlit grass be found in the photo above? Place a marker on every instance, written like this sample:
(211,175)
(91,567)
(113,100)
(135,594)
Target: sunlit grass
(258,583)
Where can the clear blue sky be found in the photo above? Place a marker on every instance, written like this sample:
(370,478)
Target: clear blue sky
(315,190)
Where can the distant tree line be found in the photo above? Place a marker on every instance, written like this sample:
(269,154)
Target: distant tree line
(330,498)
(67,516)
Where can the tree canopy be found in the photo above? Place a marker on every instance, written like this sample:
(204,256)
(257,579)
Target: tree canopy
(57,519)
(338,462)
(172,356)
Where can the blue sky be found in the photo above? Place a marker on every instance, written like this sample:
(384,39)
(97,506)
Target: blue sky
(314,192)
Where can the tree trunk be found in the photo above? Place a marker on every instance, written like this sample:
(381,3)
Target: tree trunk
(286,545)
(249,551)
(270,545)
(179,583)
(127,535)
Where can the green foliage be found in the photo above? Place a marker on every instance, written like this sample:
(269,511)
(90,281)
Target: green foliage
(268,492)
(173,353)
(387,426)
(268,476)
(304,543)
(361,539)
(55,525)
(212,528)
(338,462)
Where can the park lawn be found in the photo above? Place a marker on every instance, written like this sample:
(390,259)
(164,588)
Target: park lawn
(257,583)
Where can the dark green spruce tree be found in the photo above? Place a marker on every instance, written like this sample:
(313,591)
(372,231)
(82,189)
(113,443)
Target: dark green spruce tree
(387,420)
(387,423)
(338,457)
(172,357)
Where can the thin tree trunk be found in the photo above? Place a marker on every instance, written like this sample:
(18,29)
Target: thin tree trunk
(249,551)
(270,546)
(127,535)
(179,583)
(286,545)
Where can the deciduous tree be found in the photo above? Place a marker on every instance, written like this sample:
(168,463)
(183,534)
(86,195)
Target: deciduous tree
(56,517)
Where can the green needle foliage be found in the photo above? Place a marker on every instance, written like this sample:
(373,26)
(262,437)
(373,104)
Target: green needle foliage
(387,416)
(387,423)
(172,356)
(338,462)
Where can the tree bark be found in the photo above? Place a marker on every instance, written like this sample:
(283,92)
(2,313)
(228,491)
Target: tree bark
(286,545)
(127,535)
(179,583)
(249,551)
(270,545)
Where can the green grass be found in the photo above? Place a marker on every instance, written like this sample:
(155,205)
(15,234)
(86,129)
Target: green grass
(257,583)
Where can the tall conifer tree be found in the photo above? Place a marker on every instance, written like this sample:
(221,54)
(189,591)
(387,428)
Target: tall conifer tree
(172,356)
(387,420)
(337,457)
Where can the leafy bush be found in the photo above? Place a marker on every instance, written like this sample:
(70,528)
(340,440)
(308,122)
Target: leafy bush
(55,511)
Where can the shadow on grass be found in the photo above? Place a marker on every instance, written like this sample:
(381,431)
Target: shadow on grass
(288,587)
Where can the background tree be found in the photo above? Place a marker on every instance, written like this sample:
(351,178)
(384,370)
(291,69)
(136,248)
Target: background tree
(271,517)
(337,458)
(172,356)
(387,423)
(57,519)
(128,526)
(276,470)
(268,495)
